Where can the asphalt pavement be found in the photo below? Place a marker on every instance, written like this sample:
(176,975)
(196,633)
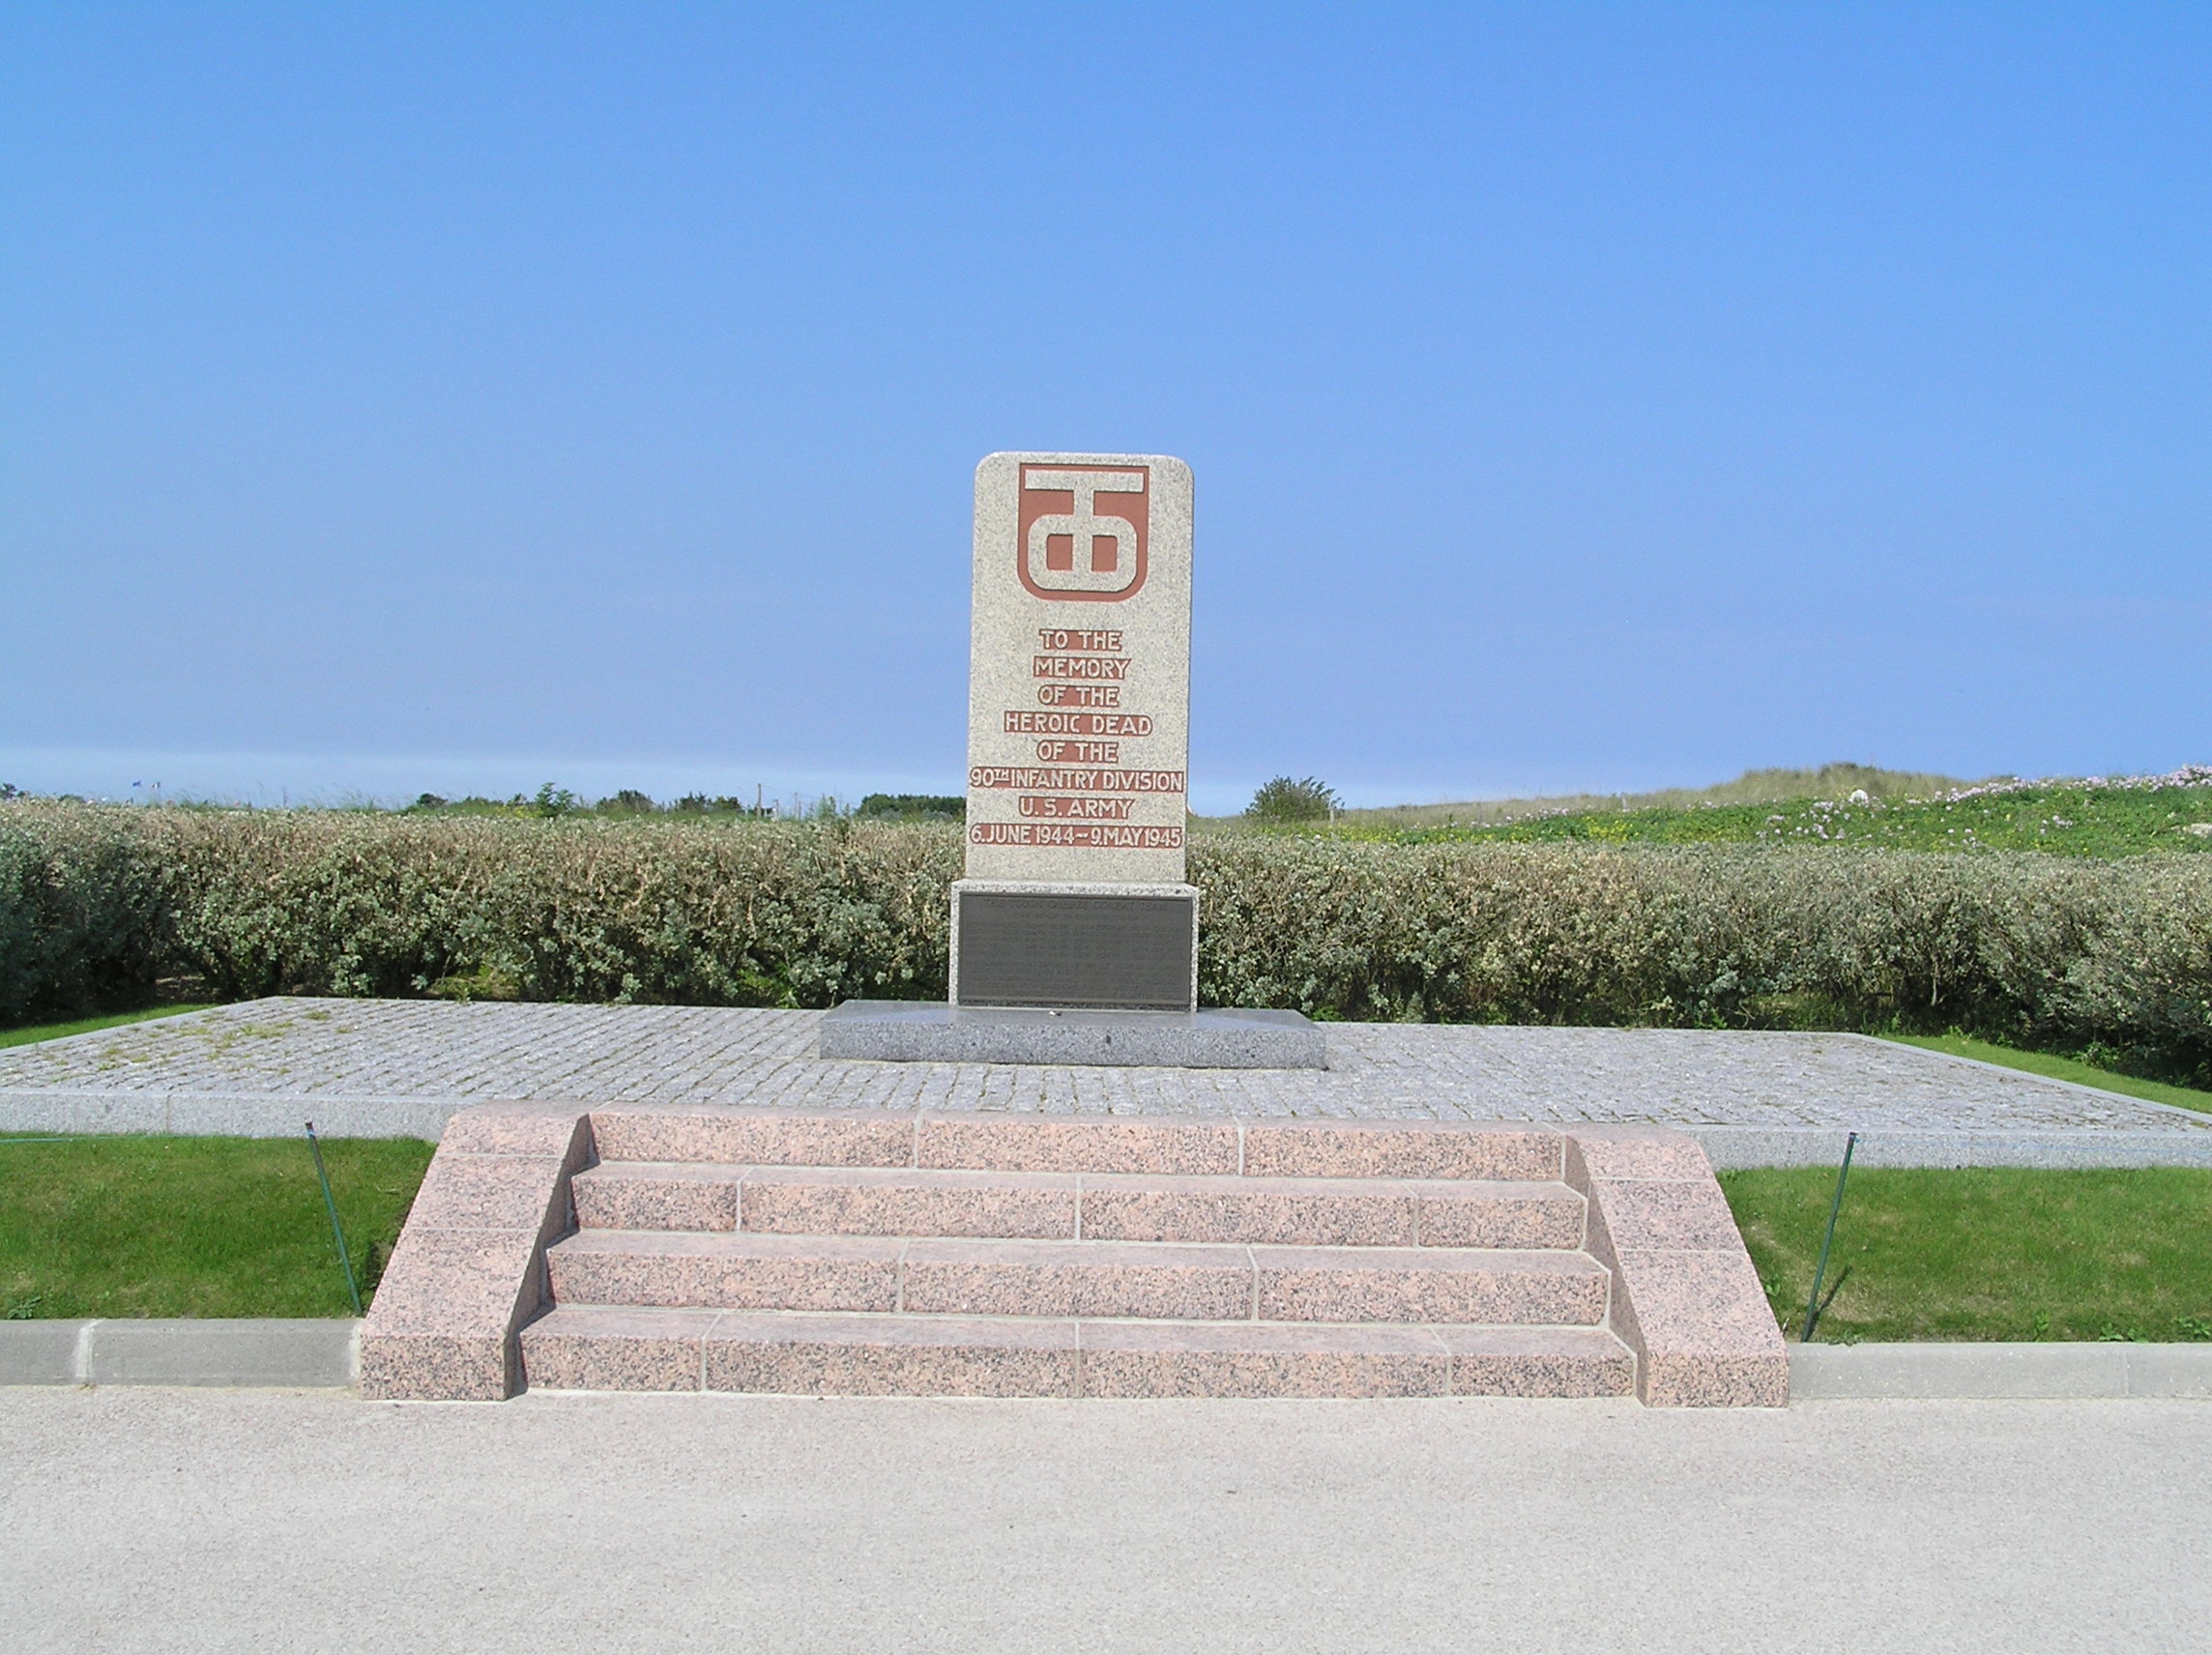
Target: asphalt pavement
(149,1519)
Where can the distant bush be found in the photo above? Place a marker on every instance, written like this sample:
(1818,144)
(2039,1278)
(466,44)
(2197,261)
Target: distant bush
(953,807)
(1283,799)
(699,804)
(97,902)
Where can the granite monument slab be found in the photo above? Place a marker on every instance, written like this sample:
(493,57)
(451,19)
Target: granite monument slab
(1074,899)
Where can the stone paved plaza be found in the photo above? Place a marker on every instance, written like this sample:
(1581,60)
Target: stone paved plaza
(402,1066)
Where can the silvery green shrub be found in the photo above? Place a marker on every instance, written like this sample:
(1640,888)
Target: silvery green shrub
(98,901)
(82,910)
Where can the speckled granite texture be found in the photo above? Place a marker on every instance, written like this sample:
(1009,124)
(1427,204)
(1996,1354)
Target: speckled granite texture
(469,1269)
(1685,1297)
(370,1067)
(1014,1254)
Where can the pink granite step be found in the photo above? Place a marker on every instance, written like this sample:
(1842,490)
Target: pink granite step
(824,1201)
(1288,1359)
(873,1201)
(606,1347)
(898,1251)
(840,1200)
(1428,1285)
(599,1347)
(1182,1147)
(656,1195)
(1332,1212)
(1075,1278)
(726,1271)
(1155,1280)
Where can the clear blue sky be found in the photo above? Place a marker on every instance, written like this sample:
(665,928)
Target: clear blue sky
(1579,396)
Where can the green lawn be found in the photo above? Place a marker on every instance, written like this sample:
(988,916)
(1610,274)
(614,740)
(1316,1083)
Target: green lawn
(85,1026)
(1985,1253)
(143,1225)
(2059,1068)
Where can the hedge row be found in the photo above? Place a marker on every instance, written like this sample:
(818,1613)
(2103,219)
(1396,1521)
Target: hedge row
(96,903)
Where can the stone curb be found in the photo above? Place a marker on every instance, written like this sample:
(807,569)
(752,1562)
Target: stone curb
(179,1351)
(224,1115)
(321,1353)
(1727,1148)
(1730,1147)
(1820,1373)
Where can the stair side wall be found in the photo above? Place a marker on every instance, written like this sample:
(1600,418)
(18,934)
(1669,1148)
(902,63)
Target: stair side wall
(1685,1297)
(470,1267)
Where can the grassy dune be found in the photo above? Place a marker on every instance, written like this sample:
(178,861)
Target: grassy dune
(1753,787)
(2063,818)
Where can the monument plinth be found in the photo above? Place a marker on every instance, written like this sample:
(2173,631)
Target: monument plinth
(1074,899)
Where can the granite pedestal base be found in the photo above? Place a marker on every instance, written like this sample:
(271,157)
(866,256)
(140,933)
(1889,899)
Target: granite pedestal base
(916,1031)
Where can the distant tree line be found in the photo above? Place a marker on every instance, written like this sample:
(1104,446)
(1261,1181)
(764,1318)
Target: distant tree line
(550,801)
(915,806)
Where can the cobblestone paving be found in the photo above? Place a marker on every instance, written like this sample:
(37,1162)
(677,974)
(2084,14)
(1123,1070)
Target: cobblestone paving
(338,1050)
